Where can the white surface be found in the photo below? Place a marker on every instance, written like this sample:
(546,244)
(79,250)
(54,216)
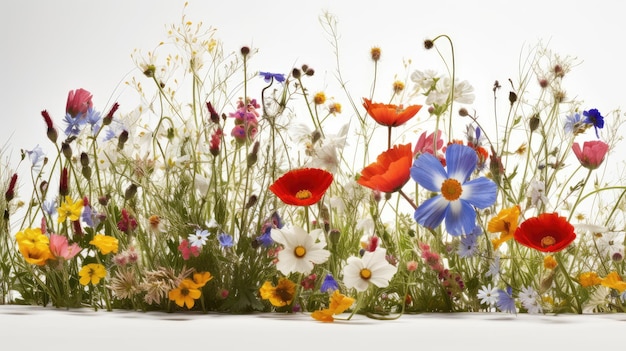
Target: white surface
(84,329)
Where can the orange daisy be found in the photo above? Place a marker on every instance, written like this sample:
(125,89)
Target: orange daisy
(391,170)
(302,187)
(390,115)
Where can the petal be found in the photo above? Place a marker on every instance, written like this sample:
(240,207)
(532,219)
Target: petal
(428,172)
(480,192)
(461,161)
(460,218)
(431,212)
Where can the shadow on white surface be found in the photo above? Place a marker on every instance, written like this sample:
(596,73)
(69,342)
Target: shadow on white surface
(85,329)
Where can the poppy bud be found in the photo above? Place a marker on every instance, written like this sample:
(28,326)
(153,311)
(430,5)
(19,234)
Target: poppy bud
(512,97)
(533,123)
(428,44)
(84,159)
(245,50)
(296,73)
(86,172)
(251,201)
(122,139)
(51,132)
(130,191)
(67,150)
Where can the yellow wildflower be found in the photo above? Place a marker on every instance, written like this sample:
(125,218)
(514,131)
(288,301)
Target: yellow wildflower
(92,273)
(280,295)
(614,281)
(70,209)
(185,294)
(106,244)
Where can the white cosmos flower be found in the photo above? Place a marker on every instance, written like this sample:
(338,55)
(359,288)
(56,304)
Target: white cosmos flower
(301,250)
(372,268)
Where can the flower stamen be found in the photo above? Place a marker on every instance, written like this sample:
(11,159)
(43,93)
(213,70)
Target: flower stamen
(547,241)
(366,273)
(303,194)
(451,189)
(299,251)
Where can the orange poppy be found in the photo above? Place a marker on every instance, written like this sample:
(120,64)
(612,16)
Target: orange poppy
(391,170)
(547,232)
(302,187)
(390,115)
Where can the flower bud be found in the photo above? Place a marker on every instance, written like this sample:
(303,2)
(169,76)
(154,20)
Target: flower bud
(86,172)
(296,73)
(109,117)
(512,97)
(64,188)
(67,150)
(84,159)
(428,44)
(245,51)
(251,201)
(533,123)
(10,193)
(130,192)
(253,155)
(122,139)
(375,53)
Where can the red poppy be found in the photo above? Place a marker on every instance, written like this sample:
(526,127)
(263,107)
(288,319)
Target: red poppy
(548,232)
(302,187)
(391,170)
(390,115)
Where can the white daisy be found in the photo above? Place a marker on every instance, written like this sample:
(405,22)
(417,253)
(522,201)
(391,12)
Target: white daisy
(301,250)
(372,268)
(198,238)
(488,295)
(529,299)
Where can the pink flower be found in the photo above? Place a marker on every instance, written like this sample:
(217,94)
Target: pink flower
(426,144)
(60,247)
(187,250)
(592,153)
(78,102)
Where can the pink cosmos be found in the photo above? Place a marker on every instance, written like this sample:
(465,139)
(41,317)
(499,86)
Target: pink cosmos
(426,144)
(60,247)
(187,250)
(592,153)
(78,102)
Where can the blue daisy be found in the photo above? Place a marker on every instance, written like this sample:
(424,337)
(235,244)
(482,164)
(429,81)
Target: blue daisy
(458,197)
(593,117)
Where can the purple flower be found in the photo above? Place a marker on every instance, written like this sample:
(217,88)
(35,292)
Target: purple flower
(457,195)
(225,240)
(329,284)
(594,117)
(269,76)
(506,302)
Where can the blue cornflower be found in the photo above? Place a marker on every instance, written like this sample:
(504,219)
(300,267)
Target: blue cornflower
(594,117)
(506,302)
(265,239)
(469,246)
(50,207)
(87,216)
(329,284)
(225,240)
(574,124)
(458,196)
(268,76)
(73,124)
(94,119)
(36,157)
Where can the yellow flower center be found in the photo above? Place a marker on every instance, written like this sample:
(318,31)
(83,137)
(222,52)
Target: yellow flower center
(299,251)
(547,241)
(303,194)
(366,273)
(451,189)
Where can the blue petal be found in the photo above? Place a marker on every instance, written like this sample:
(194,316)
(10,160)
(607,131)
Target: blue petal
(480,192)
(460,218)
(431,212)
(428,172)
(461,161)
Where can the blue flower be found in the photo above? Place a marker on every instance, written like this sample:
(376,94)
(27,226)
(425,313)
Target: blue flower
(468,246)
(458,196)
(594,118)
(225,240)
(506,302)
(73,124)
(574,124)
(329,284)
(268,76)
